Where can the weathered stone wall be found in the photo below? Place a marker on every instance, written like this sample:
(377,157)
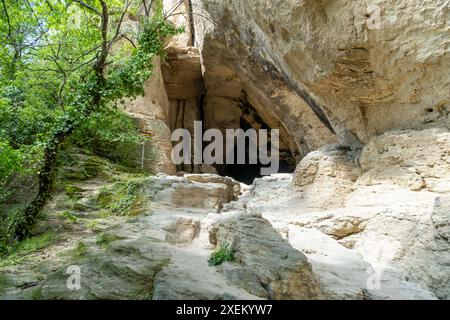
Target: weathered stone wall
(321,72)
(151,114)
(154,111)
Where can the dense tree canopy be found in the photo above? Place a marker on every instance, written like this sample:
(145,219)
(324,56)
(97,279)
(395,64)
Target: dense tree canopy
(65,65)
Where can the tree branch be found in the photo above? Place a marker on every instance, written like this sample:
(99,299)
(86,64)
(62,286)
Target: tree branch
(174,8)
(119,25)
(129,40)
(87,6)
(7,18)
(83,64)
(100,65)
(147,7)
(49,5)
(146,10)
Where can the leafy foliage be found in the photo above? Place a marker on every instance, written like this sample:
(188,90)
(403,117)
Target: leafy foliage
(222,254)
(110,133)
(10,161)
(65,66)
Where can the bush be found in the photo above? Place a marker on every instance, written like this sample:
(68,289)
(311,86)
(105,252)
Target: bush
(222,254)
(112,134)
(24,124)
(10,161)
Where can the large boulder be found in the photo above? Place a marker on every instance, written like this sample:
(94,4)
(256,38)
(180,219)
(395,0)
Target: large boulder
(265,259)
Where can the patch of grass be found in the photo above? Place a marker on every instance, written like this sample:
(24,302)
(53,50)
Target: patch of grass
(104,213)
(36,293)
(4,281)
(77,206)
(92,225)
(96,167)
(36,243)
(104,198)
(104,239)
(67,215)
(222,254)
(74,175)
(30,245)
(80,250)
(74,192)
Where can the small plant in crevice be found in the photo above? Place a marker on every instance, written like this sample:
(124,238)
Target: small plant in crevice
(92,225)
(104,239)
(80,250)
(69,216)
(222,254)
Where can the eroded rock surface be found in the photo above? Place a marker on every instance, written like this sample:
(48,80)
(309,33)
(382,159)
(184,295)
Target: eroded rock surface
(377,238)
(383,236)
(360,67)
(265,259)
(164,253)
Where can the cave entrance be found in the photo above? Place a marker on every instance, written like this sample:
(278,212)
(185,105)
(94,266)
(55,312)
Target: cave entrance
(247,173)
(222,107)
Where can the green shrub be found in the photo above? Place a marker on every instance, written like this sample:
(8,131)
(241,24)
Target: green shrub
(112,134)
(92,225)
(10,161)
(222,254)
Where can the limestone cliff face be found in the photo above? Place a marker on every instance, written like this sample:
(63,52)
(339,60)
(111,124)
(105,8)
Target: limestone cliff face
(151,113)
(360,91)
(389,205)
(319,71)
(372,76)
(361,67)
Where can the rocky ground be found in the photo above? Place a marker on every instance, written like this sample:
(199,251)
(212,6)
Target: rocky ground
(343,226)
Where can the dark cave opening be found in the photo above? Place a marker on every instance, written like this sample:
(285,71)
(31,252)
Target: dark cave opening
(245,117)
(247,173)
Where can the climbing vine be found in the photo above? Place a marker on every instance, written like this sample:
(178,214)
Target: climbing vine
(86,74)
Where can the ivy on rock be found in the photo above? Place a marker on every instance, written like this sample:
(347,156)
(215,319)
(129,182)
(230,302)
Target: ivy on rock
(85,74)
